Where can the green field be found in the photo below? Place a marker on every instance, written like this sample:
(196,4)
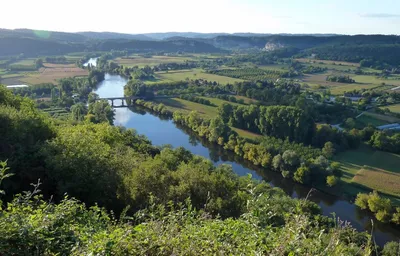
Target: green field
(187,106)
(25,62)
(393,108)
(362,82)
(366,168)
(176,104)
(365,79)
(276,67)
(246,100)
(152,61)
(219,102)
(180,75)
(366,120)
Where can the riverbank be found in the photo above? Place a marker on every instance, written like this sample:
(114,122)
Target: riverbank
(163,131)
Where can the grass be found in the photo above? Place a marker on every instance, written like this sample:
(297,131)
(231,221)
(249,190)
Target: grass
(365,120)
(328,62)
(393,108)
(153,61)
(25,62)
(51,73)
(219,102)
(246,100)
(246,134)
(275,67)
(366,79)
(370,169)
(315,80)
(176,104)
(180,75)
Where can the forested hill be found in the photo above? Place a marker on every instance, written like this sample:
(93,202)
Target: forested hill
(112,35)
(184,45)
(301,42)
(380,51)
(35,47)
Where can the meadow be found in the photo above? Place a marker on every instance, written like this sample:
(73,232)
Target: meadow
(51,73)
(176,104)
(150,61)
(179,75)
(370,169)
(393,108)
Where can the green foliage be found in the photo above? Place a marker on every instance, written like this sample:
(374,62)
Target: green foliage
(382,207)
(69,228)
(340,79)
(331,181)
(3,175)
(391,249)
(100,111)
(252,73)
(328,150)
(385,141)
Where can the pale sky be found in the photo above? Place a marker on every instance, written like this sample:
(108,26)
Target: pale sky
(259,16)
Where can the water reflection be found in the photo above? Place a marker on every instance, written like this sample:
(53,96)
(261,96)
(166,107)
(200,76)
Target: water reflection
(161,131)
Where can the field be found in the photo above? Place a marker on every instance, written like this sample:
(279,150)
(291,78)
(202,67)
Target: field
(219,102)
(362,82)
(246,100)
(53,72)
(276,67)
(393,108)
(183,105)
(366,119)
(180,75)
(328,62)
(371,169)
(25,62)
(153,61)
(176,104)
(364,79)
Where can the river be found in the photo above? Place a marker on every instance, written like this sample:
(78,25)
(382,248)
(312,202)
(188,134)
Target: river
(163,131)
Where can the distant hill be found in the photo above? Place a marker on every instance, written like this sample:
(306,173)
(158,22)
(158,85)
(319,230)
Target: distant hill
(112,35)
(162,36)
(43,34)
(184,45)
(35,47)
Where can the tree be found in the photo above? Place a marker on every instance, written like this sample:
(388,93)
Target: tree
(331,180)
(362,201)
(377,203)
(78,111)
(350,123)
(218,129)
(291,160)
(225,111)
(38,63)
(101,111)
(92,97)
(277,162)
(302,174)
(391,249)
(328,150)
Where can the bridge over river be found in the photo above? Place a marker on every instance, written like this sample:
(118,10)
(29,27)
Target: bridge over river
(124,99)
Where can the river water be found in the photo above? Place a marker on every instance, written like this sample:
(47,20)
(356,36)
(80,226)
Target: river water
(163,131)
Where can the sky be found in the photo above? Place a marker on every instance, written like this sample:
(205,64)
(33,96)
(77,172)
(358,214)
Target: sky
(207,16)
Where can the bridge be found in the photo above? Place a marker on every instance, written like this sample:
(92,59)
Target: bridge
(122,99)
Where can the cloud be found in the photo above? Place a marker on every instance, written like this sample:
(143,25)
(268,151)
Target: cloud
(380,15)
